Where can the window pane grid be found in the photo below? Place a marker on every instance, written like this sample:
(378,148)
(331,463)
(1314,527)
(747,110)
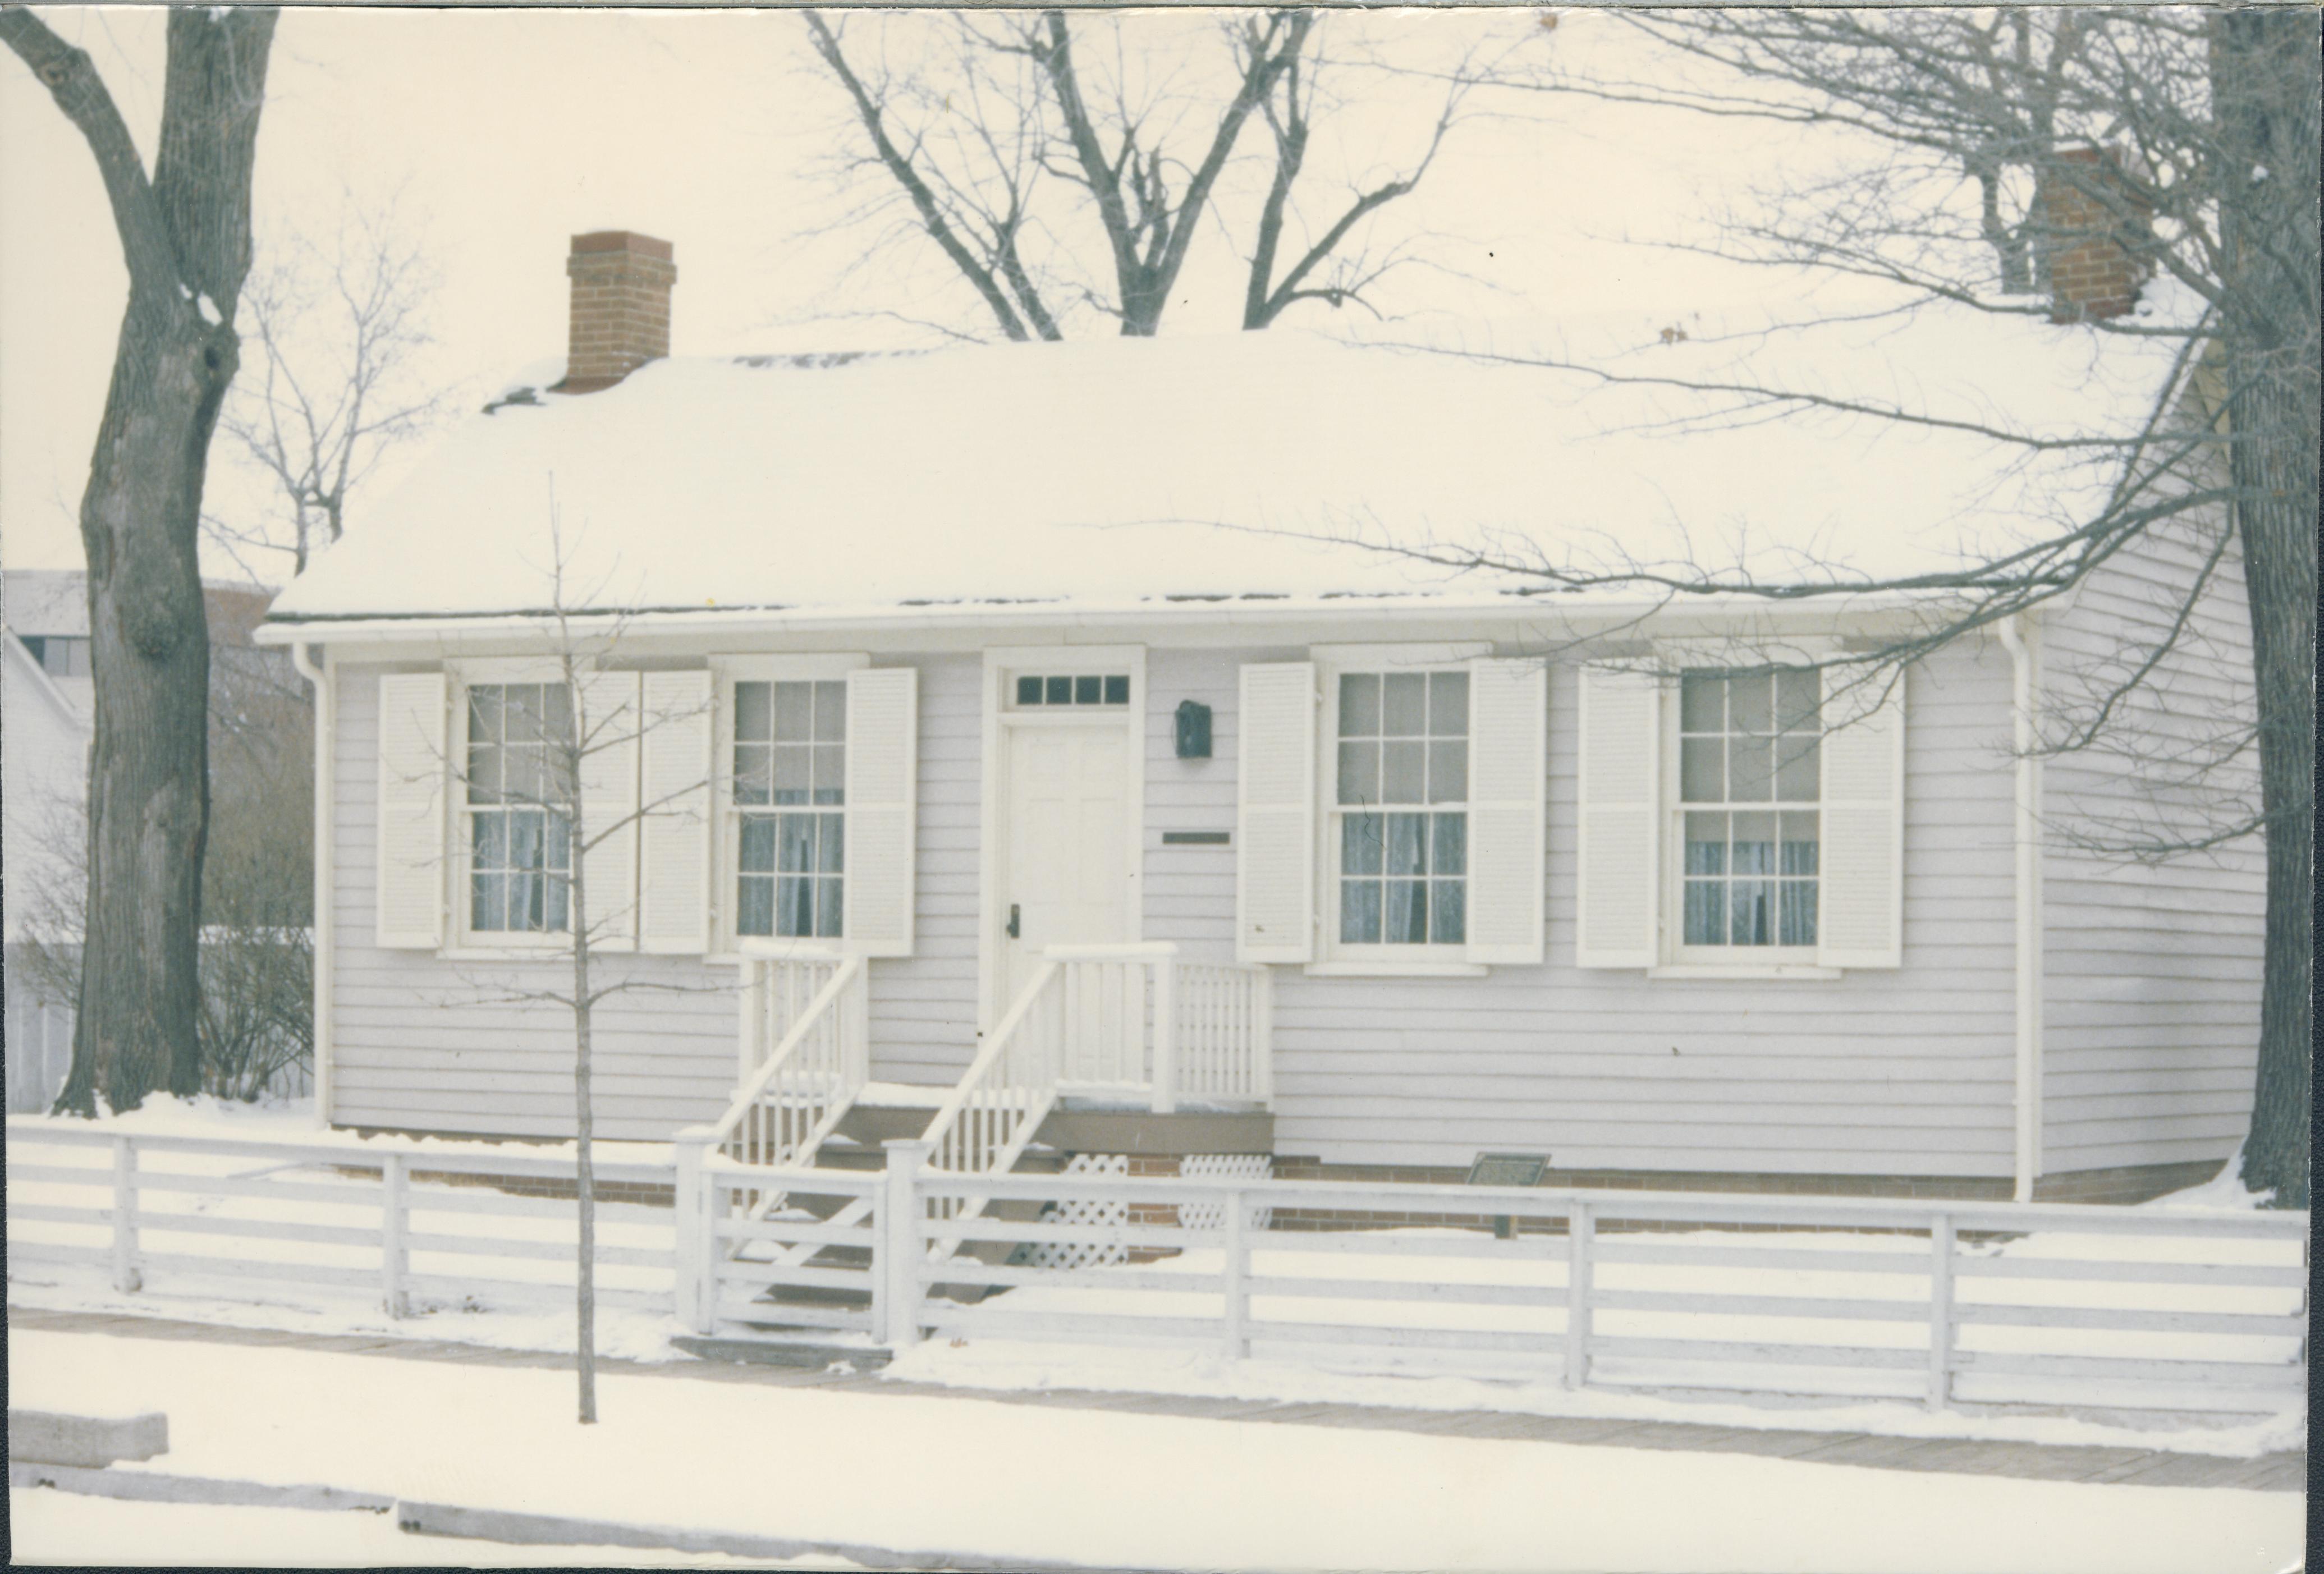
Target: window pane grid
(519,847)
(1084,688)
(1749,744)
(790,773)
(1402,778)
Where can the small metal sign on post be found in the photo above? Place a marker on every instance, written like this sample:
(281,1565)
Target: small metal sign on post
(1507,1169)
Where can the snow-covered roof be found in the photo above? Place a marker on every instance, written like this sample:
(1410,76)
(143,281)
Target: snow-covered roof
(1119,473)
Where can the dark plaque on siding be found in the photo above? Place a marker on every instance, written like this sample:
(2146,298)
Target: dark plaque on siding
(1197,838)
(1507,1169)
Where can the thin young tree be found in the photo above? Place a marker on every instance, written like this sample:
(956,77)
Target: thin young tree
(583,732)
(1065,170)
(2005,142)
(184,230)
(340,332)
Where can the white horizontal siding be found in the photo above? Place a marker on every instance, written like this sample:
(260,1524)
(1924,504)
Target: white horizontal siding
(2153,969)
(417,1040)
(1906,1073)
(924,1006)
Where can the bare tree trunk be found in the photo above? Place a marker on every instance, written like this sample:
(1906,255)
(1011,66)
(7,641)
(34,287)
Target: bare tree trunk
(2265,92)
(185,236)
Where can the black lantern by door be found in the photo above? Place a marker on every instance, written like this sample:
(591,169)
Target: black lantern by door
(1193,730)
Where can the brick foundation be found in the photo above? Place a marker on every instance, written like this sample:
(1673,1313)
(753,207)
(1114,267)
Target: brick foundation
(2122,1186)
(2131,1183)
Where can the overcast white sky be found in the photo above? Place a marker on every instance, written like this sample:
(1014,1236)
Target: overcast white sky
(503,133)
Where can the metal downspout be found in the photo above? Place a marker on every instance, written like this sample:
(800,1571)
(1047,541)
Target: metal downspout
(2026,840)
(326,731)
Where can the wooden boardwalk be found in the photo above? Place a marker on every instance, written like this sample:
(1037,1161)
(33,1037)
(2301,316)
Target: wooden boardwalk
(2278,1472)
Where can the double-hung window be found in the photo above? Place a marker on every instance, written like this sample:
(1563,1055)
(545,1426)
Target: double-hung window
(790,800)
(519,833)
(1400,821)
(1749,787)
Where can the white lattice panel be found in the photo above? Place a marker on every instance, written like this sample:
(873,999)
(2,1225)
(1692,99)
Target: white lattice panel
(1236,1166)
(1081,1254)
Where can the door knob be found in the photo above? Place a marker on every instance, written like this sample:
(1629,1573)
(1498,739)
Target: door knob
(1013,925)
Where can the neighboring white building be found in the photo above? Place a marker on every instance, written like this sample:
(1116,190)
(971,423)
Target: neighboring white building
(945,661)
(46,698)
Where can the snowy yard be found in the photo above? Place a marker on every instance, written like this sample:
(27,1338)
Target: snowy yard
(1139,1491)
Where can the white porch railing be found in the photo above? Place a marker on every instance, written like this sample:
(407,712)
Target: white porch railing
(999,1103)
(1137,1021)
(816,1060)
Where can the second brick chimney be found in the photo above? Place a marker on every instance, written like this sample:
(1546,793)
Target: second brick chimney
(621,306)
(2091,251)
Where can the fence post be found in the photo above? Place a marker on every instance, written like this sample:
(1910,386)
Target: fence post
(1166,1035)
(1578,1229)
(1232,1274)
(901,1212)
(1941,1310)
(126,1277)
(393,1220)
(691,1293)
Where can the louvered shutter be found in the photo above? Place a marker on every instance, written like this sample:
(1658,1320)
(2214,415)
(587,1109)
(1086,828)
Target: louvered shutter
(1275,833)
(1617,879)
(1860,920)
(413,774)
(609,711)
(674,831)
(1509,772)
(882,755)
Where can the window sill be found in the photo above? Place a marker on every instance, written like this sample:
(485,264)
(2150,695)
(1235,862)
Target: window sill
(561,949)
(779,951)
(1692,969)
(1396,969)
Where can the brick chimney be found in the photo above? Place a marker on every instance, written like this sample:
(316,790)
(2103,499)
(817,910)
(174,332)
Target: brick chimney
(621,306)
(2091,254)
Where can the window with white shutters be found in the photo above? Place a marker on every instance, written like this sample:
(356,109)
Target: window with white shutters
(815,790)
(1410,835)
(1742,819)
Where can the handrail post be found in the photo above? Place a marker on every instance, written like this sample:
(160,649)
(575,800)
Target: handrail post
(126,1277)
(393,1223)
(901,1210)
(1579,1228)
(1941,1310)
(752,1006)
(1262,1034)
(1166,1035)
(1233,1273)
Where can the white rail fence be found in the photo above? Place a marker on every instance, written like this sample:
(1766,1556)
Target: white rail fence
(415,1229)
(1947,1302)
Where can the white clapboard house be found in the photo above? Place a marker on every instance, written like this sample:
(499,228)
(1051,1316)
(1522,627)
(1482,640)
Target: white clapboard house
(1040,753)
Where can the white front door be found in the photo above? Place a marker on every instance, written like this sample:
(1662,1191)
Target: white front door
(1065,859)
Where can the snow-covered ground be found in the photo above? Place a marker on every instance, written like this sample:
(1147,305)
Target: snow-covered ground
(66,1528)
(968,1476)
